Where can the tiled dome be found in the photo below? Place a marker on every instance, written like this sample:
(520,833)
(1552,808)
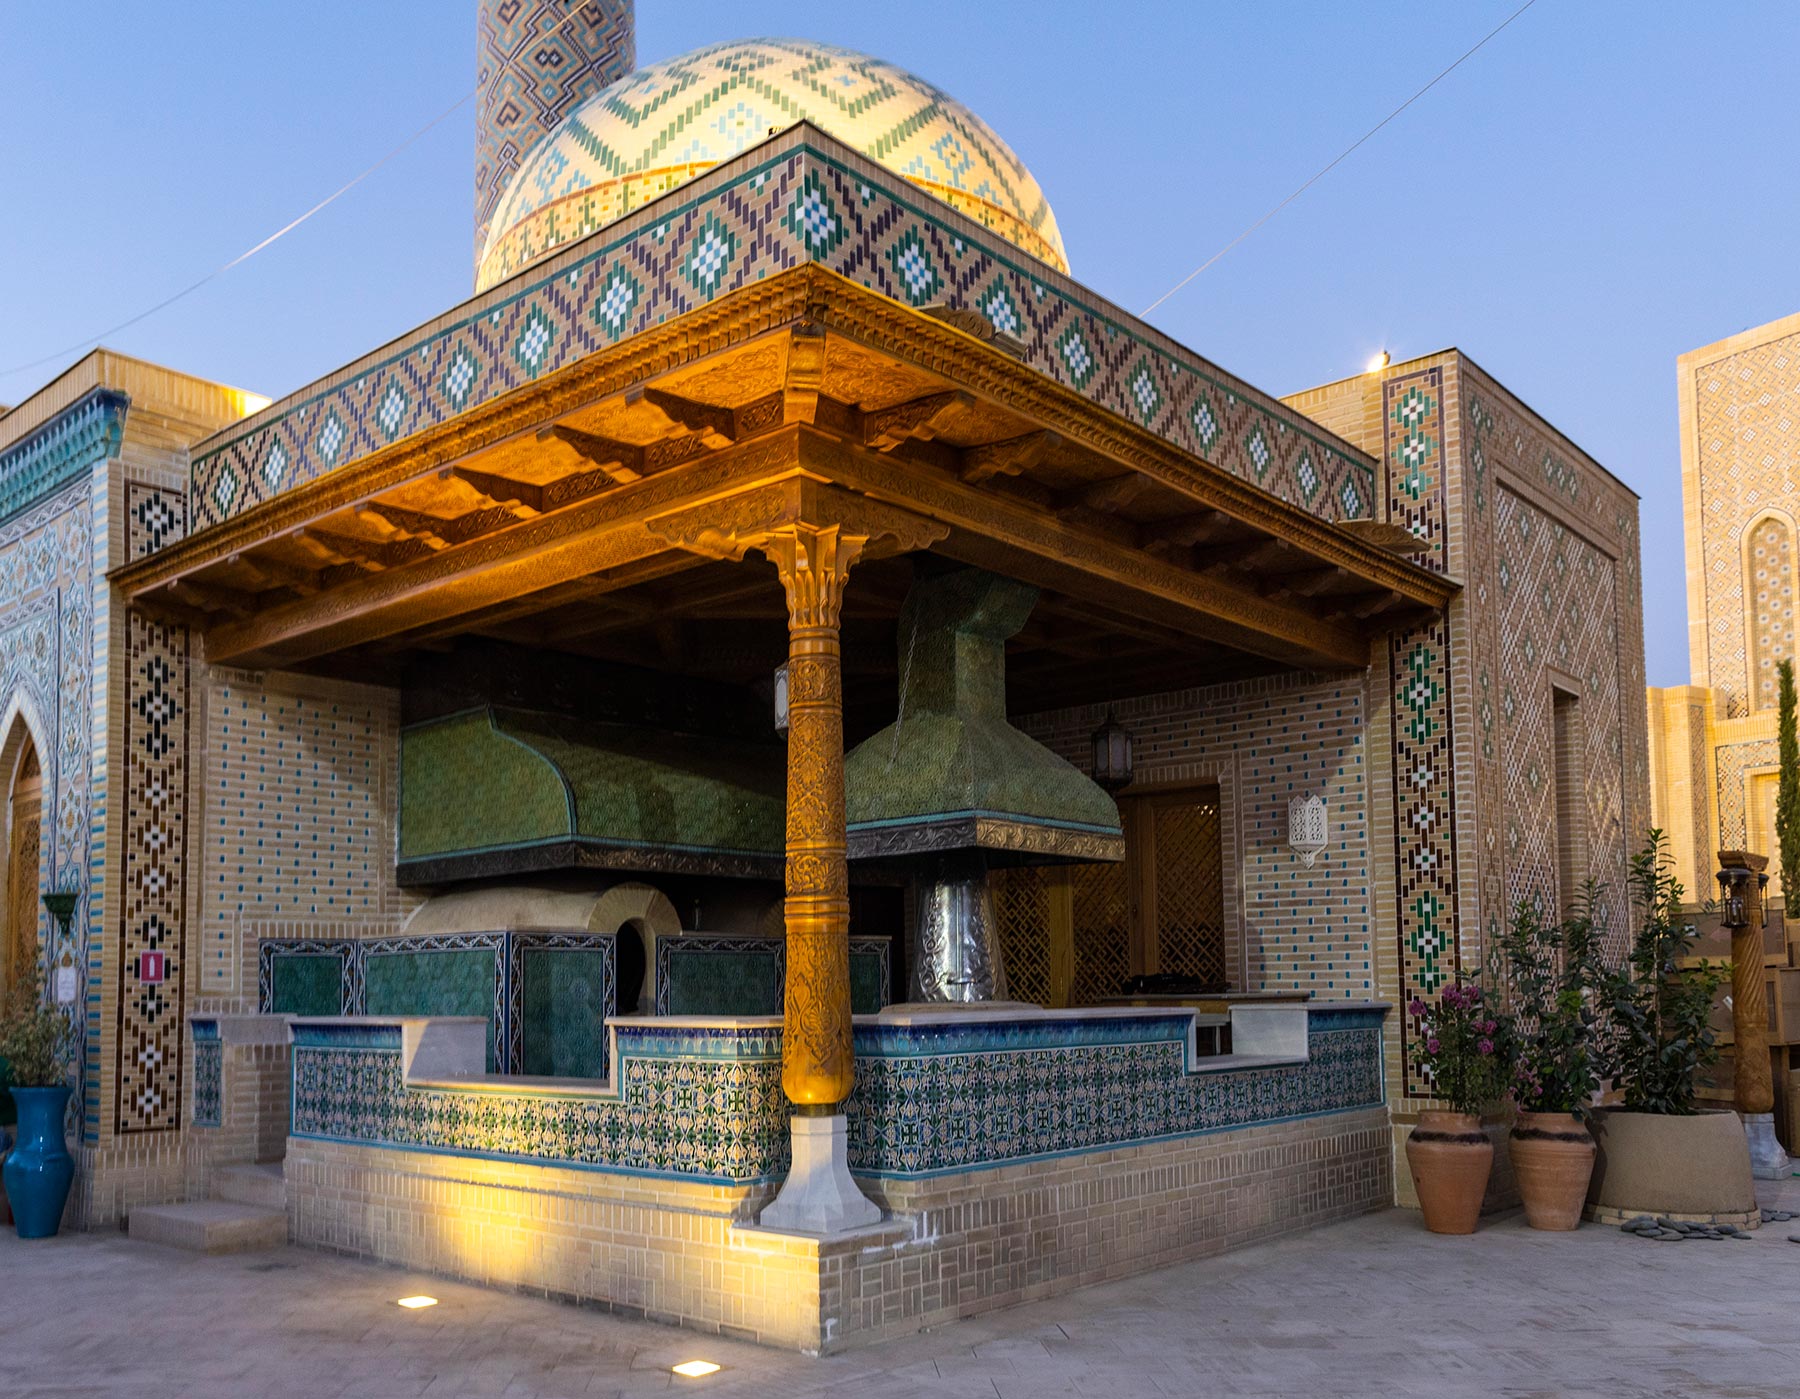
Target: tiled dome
(664,125)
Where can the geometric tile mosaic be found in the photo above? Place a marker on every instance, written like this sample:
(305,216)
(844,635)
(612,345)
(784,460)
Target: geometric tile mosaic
(151,958)
(538,59)
(707,1104)
(729,229)
(1746,455)
(1424,758)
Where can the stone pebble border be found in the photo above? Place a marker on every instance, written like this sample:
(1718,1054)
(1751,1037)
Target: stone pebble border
(1669,1230)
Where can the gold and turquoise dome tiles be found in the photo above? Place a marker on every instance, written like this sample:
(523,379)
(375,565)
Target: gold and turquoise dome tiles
(801,205)
(652,132)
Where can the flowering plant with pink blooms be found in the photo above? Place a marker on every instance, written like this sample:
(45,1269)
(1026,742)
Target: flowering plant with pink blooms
(1465,1045)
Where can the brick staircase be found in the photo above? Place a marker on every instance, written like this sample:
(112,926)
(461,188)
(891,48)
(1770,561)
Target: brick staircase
(248,1211)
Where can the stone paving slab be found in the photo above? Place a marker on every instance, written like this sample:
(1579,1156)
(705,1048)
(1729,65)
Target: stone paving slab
(1372,1307)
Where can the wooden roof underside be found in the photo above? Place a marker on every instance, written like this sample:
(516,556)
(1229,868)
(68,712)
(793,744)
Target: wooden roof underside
(532,519)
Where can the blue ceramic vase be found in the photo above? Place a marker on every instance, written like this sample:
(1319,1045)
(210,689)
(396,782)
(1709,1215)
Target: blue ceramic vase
(40,1169)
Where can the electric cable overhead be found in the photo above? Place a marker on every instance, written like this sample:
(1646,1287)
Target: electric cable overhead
(1342,156)
(274,237)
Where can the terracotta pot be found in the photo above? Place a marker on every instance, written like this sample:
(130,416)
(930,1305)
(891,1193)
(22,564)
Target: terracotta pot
(1552,1157)
(1450,1157)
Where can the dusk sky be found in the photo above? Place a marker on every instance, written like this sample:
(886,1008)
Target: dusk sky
(1602,187)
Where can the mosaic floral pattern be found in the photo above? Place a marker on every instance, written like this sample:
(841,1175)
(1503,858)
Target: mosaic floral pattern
(707,1104)
(209,1074)
(949,1100)
(693,1105)
(68,446)
(730,229)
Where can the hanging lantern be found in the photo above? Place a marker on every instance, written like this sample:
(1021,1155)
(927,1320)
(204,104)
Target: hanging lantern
(1307,828)
(1112,754)
(1734,901)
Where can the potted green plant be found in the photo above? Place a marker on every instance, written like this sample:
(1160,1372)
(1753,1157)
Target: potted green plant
(1659,1152)
(1554,973)
(1464,1047)
(36,1040)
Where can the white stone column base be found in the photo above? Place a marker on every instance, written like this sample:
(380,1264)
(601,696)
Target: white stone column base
(1767,1159)
(819,1196)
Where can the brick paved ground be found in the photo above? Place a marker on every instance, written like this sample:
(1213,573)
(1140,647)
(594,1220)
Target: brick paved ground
(1372,1307)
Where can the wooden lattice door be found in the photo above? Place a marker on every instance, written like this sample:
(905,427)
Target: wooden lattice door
(20,945)
(1182,887)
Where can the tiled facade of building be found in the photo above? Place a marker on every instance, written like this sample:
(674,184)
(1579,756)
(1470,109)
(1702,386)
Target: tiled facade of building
(1740,479)
(1545,542)
(105,449)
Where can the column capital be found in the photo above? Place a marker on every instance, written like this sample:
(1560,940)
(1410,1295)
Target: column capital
(781,518)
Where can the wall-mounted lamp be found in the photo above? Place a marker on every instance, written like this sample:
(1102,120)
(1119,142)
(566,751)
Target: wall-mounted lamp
(781,698)
(1112,754)
(64,981)
(1308,831)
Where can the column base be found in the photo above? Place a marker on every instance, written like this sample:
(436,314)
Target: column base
(1768,1160)
(819,1196)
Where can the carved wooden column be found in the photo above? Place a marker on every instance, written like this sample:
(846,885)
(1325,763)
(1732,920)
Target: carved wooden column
(1741,879)
(817,1066)
(813,533)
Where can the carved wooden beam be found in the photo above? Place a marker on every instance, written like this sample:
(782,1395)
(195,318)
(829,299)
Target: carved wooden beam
(1187,531)
(805,373)
(923,418)
(521,498)
(372,555)
(1007,458)
(717,426)
(273,573)
(210,598)
(1108,494)
(622,462)
(992,530)
(1224,558)
(602,532)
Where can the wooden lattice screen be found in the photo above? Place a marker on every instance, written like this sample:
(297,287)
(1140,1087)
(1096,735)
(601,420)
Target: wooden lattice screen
(1102,932)
(1022,916)
(1173,862)
(1188,892)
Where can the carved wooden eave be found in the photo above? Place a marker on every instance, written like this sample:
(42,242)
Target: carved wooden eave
(562,494)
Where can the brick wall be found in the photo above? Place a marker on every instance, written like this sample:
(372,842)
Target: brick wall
(300,786)
(1263,742)
(958,1245)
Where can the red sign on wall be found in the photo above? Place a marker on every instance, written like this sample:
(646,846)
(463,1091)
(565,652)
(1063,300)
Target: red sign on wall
(150,968)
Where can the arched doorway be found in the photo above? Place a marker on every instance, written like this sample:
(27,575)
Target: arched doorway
(24,831)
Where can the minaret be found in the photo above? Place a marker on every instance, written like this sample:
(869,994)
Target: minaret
(532,68)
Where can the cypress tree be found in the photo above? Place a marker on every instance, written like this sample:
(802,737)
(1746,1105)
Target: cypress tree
(1787,796)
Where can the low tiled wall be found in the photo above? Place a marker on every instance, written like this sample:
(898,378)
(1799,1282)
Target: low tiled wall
(242,1068)
(1017,1158)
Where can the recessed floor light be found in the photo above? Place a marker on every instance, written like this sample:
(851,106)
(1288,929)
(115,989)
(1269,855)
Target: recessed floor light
(694,1369)
(414,1303)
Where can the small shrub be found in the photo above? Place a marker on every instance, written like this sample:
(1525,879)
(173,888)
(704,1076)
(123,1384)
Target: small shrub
(1658,1038)
(37,1040)
(1464,1045)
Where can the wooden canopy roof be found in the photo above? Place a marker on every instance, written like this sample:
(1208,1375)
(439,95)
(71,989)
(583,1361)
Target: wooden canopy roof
(563,516)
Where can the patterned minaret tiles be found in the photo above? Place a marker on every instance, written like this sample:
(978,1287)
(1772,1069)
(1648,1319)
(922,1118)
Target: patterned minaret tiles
(532,68)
